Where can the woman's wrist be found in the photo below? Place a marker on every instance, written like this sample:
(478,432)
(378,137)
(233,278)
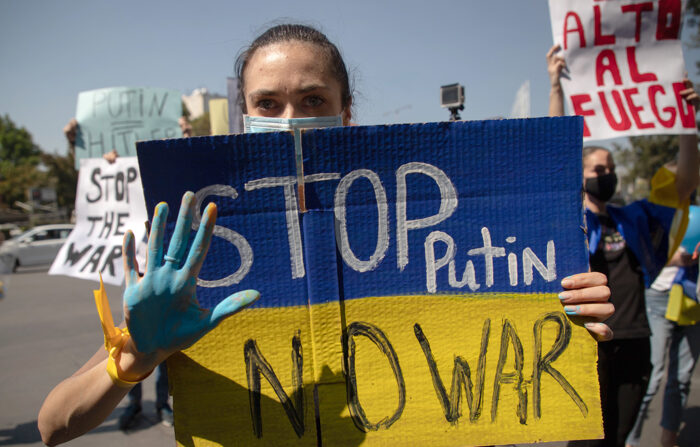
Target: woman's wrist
(134,365)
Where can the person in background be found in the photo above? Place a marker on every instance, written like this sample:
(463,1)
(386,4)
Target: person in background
(70,130)
(185,126)
(679,343)
(290,71)
(630,245)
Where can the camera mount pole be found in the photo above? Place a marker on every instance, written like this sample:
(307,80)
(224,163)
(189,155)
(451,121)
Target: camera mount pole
(454,113)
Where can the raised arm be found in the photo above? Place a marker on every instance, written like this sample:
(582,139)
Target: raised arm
(162,316)
(555,64)
(687,176)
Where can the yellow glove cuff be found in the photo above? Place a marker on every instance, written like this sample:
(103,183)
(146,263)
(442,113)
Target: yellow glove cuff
(115,338)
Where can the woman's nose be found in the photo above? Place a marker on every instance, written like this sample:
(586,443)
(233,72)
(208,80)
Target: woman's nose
(292,112)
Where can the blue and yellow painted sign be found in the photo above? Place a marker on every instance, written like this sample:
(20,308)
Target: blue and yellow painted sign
(409,278)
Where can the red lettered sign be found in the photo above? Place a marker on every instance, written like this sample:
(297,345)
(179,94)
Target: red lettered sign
(625,64)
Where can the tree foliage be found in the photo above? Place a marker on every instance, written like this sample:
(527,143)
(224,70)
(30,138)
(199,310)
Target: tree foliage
(23,165)
(61,175)
(640,160)
(15,179)
(16,145)
(19,157)
(201,126)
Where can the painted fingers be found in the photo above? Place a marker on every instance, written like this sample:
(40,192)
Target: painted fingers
(180,238)
(131,266)
(200,246)
(181,234)
(230,306)
(600,331)
(594,294)
(597,311)
(155,239)
(587,296)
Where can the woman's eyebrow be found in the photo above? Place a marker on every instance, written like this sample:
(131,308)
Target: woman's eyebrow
(262,92)
(311,87)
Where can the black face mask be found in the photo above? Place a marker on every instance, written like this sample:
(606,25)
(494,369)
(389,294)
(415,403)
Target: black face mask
(601,187)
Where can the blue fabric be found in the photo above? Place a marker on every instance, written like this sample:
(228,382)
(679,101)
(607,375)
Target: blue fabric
(645,227)
(688,277)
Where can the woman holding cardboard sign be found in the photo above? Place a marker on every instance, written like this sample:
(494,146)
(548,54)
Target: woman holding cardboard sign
(631,245)
(290,75)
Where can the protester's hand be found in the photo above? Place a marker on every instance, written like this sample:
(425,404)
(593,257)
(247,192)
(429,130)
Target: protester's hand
(70,130)
(587,295)
(161,309)
(185,126)
(689,94)
(111,156)
(555,65)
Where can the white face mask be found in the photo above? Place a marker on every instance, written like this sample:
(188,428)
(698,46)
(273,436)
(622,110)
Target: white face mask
(255,124)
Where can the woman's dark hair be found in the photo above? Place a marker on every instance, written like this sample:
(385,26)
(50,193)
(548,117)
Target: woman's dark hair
(300,33)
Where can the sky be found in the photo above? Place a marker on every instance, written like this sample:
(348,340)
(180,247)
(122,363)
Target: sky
(399,52)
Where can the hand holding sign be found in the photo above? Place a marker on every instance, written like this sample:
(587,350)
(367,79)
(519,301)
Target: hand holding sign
(161,308)
(587,295)
(689,93)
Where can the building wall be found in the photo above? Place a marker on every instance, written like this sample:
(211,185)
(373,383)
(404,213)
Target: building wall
(198,101)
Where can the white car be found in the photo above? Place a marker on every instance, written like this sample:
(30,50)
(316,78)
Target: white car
(37,246)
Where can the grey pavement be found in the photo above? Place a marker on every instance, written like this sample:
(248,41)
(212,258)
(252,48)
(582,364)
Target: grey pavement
(49,328)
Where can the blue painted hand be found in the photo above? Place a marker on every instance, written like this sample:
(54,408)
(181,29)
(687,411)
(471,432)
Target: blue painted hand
(161,307)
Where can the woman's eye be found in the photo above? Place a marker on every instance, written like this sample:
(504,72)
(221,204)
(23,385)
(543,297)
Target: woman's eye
(314,101)
(265,104)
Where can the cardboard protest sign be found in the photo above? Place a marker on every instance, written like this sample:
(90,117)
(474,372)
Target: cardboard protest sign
(115,118)
(413,302)
(109,201)
(625,66)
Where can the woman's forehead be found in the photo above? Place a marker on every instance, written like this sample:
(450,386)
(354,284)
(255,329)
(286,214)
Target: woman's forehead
(599,157)
(287,63)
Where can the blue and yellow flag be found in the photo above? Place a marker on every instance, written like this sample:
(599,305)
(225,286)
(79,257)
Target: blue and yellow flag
(409,277)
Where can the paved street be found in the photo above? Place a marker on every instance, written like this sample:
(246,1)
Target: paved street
(49,328)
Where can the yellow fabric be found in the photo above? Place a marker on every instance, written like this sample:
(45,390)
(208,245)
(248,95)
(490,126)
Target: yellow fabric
(114,337)
(663,188)
(113,334)
(681,309)
(113,371)
(664,192)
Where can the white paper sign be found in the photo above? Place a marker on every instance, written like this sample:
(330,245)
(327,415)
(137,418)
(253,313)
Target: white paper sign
(109,201)
(625,66)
